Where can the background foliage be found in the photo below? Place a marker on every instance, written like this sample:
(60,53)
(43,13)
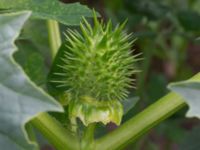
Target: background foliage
(168,36)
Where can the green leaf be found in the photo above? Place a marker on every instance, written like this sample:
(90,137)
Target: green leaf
(153,10)
(20,99)
(129,103)
(32,62)
(33,51)
(190,20)
(156,87)
(52,87)
(190,91)
(69,14)
(38,37)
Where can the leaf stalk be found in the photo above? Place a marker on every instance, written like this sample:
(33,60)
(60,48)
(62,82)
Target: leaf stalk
(54,36)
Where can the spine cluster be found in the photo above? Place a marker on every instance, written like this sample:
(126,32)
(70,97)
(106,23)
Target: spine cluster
(96,71)
(98,62)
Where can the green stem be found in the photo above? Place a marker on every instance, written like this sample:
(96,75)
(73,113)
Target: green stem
(54,36)
(31,134)
(141,123)
(73,124)
(58,136)
(87,142)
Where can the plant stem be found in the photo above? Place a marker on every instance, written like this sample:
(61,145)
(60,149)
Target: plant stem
(141,123)
(54,36)
(59,137)
(73,124)
(87,142)
(31,135)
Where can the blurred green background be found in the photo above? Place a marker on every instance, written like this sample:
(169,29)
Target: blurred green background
(168,35)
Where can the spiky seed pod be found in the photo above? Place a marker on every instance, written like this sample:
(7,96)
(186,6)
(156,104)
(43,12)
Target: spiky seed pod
(98,65)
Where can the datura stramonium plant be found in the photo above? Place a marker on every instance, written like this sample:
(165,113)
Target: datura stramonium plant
(96,71)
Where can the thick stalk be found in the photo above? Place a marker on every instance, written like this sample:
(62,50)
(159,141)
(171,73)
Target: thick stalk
(59,137)
(54,36)
(73,124)
(141,123)
(87,143)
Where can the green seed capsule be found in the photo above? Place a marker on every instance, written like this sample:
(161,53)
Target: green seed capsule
(96,71)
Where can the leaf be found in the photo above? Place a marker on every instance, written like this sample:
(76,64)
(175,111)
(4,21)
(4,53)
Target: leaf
(190,91)
(32,62)
(69,14)
(153,10)
(33,51)
(38,37)
(129,103)
(190,20)
(156,87)
(20,99)
(52,87)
